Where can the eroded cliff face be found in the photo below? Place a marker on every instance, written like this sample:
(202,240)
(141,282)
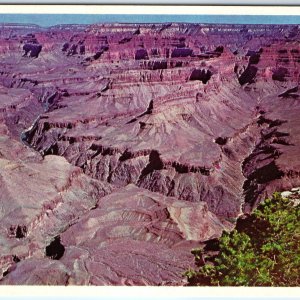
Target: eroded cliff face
(124,146)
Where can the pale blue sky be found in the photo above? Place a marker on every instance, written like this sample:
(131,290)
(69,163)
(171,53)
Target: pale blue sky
(53,19)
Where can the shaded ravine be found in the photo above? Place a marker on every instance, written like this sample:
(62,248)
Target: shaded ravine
(259,168)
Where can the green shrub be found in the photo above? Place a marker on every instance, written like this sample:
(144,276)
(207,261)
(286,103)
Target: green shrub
(266,252)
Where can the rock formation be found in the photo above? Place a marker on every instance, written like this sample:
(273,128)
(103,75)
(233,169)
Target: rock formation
(123,146)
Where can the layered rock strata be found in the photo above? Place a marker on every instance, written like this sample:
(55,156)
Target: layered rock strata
(134,143)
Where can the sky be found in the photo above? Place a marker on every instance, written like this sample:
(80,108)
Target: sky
(53,19)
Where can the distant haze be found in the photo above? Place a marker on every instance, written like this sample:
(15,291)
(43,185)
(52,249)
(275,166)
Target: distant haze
(54,19)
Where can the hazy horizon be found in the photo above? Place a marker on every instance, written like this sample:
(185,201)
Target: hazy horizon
(47,20)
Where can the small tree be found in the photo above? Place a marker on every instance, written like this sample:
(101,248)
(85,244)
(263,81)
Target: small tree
(266,252)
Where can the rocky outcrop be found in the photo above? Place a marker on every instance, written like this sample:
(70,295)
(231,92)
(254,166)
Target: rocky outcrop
(69,208)
(40,198)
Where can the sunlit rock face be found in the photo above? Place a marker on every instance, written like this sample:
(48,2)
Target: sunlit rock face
(123,146)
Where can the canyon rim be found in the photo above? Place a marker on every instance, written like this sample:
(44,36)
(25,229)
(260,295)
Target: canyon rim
(123,146)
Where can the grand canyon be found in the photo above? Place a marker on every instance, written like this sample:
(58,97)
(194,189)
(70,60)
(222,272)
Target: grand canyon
(124,146)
